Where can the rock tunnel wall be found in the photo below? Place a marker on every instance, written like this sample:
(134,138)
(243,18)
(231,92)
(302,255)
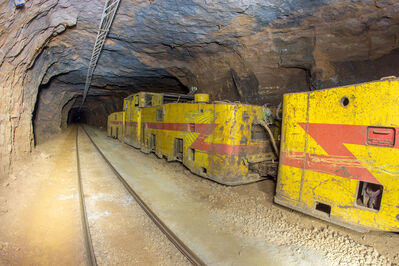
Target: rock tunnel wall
(24,34)
(251,51)
(56,100)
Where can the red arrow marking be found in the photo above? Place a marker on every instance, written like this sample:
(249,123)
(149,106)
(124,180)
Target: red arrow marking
(340,161)
(332,138)
(205,130)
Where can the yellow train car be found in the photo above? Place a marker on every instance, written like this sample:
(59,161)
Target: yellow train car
(339,157)
(131,122)
(114,125)
(218,141)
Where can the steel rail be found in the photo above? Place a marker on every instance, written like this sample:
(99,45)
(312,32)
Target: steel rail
(91,257)
(179,244)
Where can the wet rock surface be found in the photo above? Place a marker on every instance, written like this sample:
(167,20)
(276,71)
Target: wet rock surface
(252,51)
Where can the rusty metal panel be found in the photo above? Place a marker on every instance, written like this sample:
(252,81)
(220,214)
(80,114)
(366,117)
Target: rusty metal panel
(341,144)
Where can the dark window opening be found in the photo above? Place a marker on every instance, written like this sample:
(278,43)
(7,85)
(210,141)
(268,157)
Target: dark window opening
(157,100)
(159,114)
(179,149)
(142,132)
(148,100)
(369,195)
(203,170)
(191,154)
(111,132)
(116,135)
(323,208)
(153,142)
(170,98)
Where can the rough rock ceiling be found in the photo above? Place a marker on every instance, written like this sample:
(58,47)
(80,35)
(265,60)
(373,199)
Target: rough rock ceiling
(245,48)
(252,51)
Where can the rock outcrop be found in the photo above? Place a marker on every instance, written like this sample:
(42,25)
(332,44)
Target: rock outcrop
(251,51)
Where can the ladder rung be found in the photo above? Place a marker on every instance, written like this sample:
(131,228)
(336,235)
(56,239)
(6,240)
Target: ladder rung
(111,6)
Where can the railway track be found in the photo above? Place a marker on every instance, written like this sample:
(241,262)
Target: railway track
(91,257)
(180,245)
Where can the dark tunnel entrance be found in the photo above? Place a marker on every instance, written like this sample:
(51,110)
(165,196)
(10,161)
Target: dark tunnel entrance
(58,102)
(95,110)
(75,116)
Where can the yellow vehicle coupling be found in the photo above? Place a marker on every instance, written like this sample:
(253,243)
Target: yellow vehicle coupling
(339,157)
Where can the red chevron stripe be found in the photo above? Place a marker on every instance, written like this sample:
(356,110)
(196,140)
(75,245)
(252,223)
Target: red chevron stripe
(339,161)
(205,130)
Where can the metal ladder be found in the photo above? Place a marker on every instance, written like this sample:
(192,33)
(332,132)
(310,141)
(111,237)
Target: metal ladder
(107,17)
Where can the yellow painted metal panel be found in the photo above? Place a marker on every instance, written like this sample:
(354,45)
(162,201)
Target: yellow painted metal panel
(350,163)
(293,140)
(215,139)
(114,125)
(157,99)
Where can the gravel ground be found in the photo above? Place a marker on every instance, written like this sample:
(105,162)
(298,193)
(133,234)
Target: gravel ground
(252,213)
(273,225)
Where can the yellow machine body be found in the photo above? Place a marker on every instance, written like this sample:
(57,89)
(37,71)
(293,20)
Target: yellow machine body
(339,158)
(219,141)
(114,127)
(201,98)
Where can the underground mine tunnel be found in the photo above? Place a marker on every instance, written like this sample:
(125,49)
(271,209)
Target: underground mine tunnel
(213,132)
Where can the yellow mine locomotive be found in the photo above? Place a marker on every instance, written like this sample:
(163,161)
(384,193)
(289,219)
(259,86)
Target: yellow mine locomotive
(339,158)
(114,125)
(225,142)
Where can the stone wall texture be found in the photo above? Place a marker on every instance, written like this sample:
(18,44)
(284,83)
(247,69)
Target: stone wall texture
(250,51)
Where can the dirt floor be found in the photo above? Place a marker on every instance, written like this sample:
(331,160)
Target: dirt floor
(121,231)
(39,214)
(40,219)
(253,214)
(252,211)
